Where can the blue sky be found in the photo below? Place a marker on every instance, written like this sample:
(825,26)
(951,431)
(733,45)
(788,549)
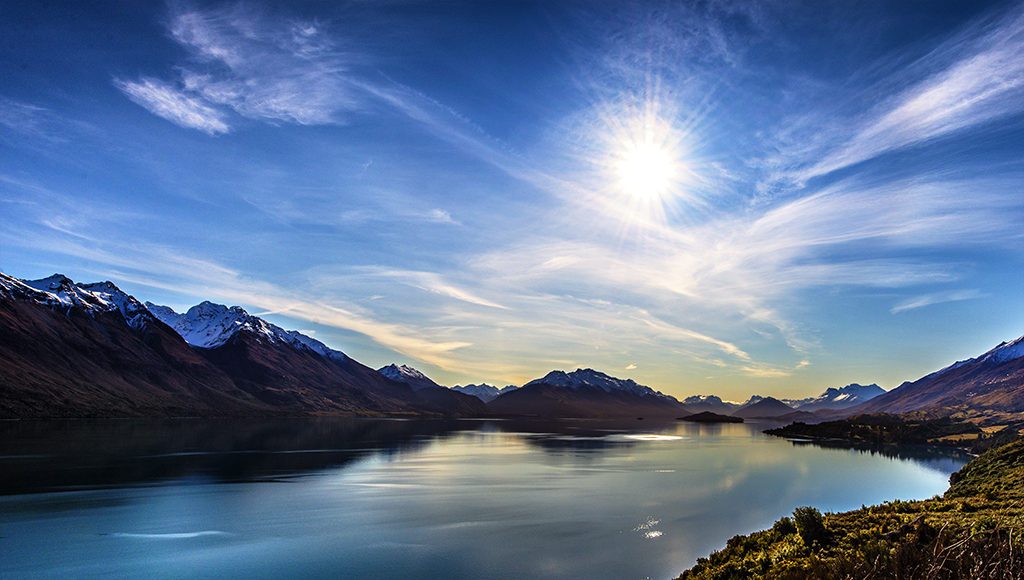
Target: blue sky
(706,197)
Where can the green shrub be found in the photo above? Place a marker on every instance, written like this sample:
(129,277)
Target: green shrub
(810,525)
(784,527)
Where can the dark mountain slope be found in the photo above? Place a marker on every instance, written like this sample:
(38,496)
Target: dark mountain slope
(90,350)
(544,400)
(766,407)
(93,364)
(295,380)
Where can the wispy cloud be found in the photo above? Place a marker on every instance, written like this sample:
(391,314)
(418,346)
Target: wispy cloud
(259,68)
(172,104)
(40,128)
(262,69)
(25,119)
(936,298)
(432,282)
(975,77)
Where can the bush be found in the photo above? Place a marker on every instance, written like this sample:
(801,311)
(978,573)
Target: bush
(810,525)
(783,528)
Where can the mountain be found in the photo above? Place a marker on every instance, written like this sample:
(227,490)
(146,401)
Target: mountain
(209,325)
(589,378)
(293,372)
(438,395)
(408,375)
(586,393)
(753,400)
(763,407)
(91,350)
(483,391)
(710,403)
(843,398)
(992,382)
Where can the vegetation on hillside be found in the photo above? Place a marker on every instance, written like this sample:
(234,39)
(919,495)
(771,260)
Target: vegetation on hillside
(973,531)
(910,429)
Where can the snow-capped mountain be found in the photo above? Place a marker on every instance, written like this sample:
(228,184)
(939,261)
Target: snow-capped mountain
(61,292)
(483,391)
(108,355)
(209,325)
(90,350)
(408,375)
(1004,351)
(589,378)
(586,393)
(700,403)
(993,381)
(843,398)
(753,400)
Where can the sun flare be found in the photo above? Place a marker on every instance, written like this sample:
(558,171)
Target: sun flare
(646,170)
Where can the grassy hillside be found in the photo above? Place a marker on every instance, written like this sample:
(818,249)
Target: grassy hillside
(973,531)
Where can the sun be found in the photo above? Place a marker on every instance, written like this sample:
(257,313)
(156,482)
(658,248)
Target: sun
(647,170)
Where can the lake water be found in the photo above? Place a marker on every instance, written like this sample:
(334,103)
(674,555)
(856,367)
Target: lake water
(367,499)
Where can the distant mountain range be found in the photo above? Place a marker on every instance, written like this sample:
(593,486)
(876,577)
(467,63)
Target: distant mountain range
(843,398)
(90,350)
(711,404)
(483,391)
(758,406)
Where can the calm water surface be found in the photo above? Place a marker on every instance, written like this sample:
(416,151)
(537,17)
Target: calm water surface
(352,498)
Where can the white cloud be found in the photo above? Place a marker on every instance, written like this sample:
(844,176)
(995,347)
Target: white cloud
(172,104)
(431,282)
(972,78)
(936,298)
(261,69)
(442,216)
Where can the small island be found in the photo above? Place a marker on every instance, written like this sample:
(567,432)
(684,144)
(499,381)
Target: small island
(709,417)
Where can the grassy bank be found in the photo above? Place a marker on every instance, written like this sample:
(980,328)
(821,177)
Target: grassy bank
(973,531)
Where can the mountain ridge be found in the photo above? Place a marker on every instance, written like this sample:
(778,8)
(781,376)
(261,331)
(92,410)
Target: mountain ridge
(209,325)
(83,350)
(214,355)
(483,391)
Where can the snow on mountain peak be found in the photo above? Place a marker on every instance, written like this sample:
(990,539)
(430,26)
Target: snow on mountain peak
(1004,351)
(59,290)
(209,325)
(483,391)
(55,283)
(841,398)
(581,378)
(402,373)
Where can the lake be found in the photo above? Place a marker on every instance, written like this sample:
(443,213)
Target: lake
(365,498)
